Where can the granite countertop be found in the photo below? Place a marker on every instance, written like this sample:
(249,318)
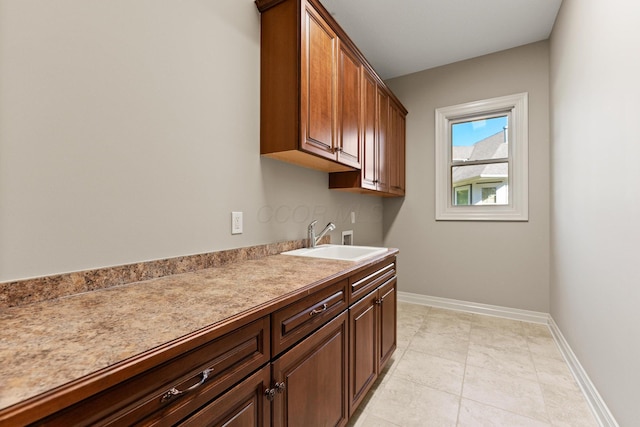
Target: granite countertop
(50,343)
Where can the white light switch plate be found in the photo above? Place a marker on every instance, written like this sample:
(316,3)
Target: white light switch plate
(236,222)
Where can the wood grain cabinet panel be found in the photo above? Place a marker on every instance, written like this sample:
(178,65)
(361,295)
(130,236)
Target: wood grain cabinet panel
(396,150)
(299,85)
(349,107)
(369,279)
(382,122)
(383,144)
(370,149)
(245,405)
(387,303)
(315,106)
(372,337)
(295,321)
(318,83)
(363,348)
(314,373)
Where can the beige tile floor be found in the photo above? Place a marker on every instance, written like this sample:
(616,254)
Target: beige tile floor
(460,369)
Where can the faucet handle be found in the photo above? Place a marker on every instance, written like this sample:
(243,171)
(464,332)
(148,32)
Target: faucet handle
(313,224)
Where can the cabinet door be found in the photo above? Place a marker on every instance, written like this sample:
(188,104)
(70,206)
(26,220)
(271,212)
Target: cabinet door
(382,116)
(396,149)
(349,105)
(387,321)
(315,376)
(318,85)
(369,152)
(363,343)
(245,405)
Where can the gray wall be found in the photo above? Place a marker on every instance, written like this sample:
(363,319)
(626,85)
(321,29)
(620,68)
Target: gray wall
(499,263)
(129,131)
(595,288)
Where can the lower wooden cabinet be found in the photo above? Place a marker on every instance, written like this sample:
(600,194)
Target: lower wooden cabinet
(372,330)
(329,346)
(363,343)
(314,374)
(306,386)
(387,321)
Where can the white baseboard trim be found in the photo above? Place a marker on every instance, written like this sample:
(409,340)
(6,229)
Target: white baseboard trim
(474,307)
(598,407)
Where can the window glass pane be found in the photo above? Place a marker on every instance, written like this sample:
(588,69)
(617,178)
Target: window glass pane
(489,196)
(486,184)
(462,195)
(482,139)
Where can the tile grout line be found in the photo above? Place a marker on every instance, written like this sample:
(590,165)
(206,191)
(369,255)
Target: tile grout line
(535,367)
(464,373)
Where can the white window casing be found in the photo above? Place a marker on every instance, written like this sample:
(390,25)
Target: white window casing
(517,208)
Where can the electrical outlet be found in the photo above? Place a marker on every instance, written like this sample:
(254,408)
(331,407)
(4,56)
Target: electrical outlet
(353,217)
(347,237)
(236,222)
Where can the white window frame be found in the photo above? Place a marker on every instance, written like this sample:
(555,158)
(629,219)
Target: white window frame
(518,207)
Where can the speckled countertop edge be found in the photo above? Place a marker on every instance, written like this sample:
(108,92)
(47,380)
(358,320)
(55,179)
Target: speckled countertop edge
(74,336)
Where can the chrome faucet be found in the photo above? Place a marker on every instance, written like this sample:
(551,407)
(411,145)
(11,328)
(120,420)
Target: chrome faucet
(311,233)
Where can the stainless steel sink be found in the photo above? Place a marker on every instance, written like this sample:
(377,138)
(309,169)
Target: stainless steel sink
(338,252)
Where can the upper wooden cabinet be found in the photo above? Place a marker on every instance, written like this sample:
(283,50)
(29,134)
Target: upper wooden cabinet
(396,149)
(370,149)
(349,107)
(383,145)
(316,88)
(382,140)
(318,84)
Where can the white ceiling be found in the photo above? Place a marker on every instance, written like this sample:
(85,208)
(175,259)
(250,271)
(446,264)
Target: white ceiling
(400,37)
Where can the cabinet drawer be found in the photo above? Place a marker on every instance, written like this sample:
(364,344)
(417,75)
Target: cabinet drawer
(295,321)
(364,282)
(243,405)
(172,390)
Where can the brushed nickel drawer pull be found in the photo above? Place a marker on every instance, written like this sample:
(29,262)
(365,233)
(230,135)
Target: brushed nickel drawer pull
(318,310)
(174,392)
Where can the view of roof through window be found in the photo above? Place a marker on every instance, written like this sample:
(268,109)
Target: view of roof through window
(482,141)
